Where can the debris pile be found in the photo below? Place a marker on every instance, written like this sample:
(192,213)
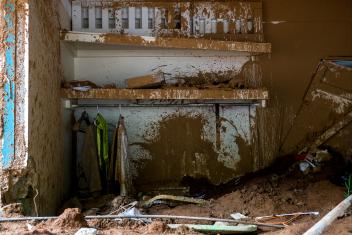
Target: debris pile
(71,218)
(271,201)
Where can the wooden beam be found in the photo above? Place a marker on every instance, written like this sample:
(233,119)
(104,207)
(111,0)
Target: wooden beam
(332,131)
(166,42)
(167,94)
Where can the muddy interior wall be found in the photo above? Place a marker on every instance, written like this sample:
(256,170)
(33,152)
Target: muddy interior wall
(49,149)
(302,33)
(316,30)
(198,141)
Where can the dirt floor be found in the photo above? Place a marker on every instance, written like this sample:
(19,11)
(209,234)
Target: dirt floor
(266,193)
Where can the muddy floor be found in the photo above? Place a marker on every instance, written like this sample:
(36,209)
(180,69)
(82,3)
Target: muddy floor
(266,193)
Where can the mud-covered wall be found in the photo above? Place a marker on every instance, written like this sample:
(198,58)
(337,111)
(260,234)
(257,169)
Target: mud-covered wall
(46,126)
(302,33)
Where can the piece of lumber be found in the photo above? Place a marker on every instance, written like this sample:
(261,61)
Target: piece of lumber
(146,81)
(330,217)
(333,130)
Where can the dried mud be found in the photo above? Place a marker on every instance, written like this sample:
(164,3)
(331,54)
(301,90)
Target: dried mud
(263,194)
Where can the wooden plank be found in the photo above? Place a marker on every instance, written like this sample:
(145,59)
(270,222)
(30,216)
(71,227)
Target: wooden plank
(146,81)
(167,94)
(332,131)
(166,42)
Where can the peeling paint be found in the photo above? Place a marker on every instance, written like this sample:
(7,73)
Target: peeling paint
(8,135)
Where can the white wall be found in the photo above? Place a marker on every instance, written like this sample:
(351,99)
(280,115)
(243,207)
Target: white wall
(116,65)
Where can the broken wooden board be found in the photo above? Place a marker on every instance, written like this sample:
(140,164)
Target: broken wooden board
(146,81)
(167,94)
(166,42)
(329,94)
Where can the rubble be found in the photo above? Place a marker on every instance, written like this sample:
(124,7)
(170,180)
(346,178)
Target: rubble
(12,210)
(71,218)
(157,227)
(87,231)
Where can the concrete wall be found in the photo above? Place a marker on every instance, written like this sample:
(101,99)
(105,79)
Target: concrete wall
(46,119)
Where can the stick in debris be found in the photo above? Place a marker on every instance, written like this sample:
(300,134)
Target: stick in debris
(339,210)
(17,219)
(315,213)
(150,202)
(294,216)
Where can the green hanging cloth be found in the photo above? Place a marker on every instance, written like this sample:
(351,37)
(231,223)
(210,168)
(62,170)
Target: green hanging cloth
(102,144)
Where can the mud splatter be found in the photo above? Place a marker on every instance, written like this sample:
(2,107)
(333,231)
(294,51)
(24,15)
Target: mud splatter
(181,150)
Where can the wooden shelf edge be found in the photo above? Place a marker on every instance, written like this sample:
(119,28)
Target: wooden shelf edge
(166,42)
(167,94)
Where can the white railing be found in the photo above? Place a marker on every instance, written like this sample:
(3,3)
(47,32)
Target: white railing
(93,16)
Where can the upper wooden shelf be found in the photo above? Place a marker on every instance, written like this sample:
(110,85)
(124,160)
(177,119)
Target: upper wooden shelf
(166,42)
(167,94)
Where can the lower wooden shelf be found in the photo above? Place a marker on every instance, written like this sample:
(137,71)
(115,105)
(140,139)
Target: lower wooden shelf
(167,94)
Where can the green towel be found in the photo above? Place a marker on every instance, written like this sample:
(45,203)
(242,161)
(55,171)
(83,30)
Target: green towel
(102,143)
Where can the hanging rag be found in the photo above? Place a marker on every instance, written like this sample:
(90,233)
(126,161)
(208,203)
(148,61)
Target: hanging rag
(113,181)
(119,169)
(87,167)
(102,146)
(90,161)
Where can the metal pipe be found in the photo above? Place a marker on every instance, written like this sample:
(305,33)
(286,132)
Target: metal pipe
(146,217)
(154,105)
(330,217)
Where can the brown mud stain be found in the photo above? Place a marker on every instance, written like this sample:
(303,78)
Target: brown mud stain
(181,150)
(246,162)
(206,78)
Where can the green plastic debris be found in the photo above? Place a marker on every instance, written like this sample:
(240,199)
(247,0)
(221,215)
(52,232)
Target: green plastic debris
(217,228)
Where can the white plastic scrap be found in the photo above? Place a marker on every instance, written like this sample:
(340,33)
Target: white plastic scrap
(86,231)
(303,166)
(238,216)
(132,212)
(29,227)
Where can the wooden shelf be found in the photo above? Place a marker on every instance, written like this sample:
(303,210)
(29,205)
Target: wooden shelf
(167,94)
(166,42)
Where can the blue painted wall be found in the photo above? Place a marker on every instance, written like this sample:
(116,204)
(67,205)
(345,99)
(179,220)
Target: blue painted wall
(8,142)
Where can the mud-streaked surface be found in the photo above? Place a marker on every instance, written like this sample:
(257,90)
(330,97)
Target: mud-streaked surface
(308,32)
